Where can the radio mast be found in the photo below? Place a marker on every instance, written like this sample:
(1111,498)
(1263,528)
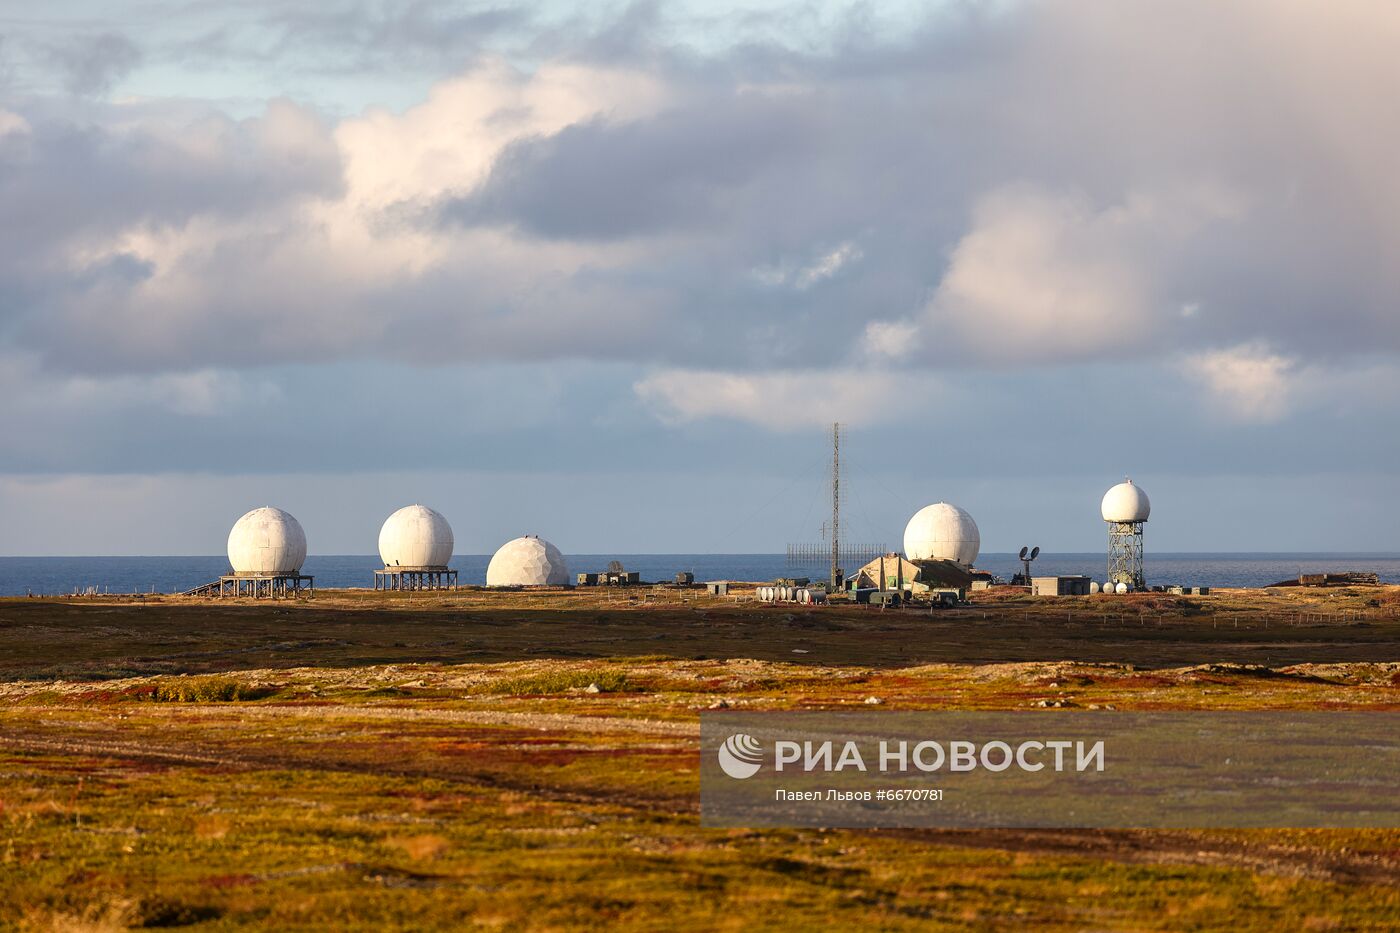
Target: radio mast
(835,506)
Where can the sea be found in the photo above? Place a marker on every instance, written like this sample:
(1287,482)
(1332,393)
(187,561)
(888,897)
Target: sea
(20,576)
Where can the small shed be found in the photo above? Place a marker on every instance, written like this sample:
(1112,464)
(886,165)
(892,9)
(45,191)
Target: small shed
(1076,585)
(717,587)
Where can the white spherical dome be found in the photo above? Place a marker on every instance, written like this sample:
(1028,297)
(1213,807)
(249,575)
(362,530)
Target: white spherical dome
(1126,503)
(942,532)
(415,536)
(266,540)
(527,561)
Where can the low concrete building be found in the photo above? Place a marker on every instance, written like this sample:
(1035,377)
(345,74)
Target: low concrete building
(1076,585)
(718,587)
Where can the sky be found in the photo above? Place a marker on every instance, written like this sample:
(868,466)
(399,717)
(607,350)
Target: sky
(607,273)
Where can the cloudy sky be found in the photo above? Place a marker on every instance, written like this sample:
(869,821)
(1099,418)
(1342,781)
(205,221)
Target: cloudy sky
(606,273)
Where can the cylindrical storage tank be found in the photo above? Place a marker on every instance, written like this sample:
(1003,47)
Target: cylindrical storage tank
(1120,588)
(1125,503)
(527,561)
(765,594)
(803,596)
(416,536)
(1094,586)
(267,541)
(942,532)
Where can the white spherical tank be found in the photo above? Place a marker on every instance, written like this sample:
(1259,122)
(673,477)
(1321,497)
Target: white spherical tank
(527,561)
(942,532)
(1126,503)
(415,536)
(267,540)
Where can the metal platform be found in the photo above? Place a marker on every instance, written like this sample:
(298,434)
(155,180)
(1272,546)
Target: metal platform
(261,586)
(415,578)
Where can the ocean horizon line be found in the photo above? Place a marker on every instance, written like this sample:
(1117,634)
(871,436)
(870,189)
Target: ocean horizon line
(988,553)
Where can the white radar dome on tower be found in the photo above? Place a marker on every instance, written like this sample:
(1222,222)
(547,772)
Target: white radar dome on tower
(1126,503)
(416,536)
(268,541)
(942,532)
(527,561)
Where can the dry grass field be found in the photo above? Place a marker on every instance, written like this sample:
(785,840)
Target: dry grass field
(529,761)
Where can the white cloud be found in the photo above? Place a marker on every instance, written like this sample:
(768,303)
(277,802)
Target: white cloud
(1047,275)
(788,399)
(1063,192)
(1247,383)
(804,276)
(892,339)
(11,122)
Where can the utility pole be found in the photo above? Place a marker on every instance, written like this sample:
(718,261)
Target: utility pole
(835,505)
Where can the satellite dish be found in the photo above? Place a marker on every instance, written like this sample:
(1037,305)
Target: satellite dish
(1023,553)
(1034,553)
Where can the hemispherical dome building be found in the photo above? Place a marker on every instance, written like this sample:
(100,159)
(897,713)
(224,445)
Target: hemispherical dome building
(1126,503)
(267,541)
(1125,508)
(942,532)
(416,537)
(527,561)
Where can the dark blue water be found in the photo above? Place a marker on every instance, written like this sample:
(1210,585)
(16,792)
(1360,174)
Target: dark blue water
(21,575)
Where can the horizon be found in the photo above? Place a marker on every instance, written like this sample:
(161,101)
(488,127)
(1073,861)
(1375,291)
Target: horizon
(768,554)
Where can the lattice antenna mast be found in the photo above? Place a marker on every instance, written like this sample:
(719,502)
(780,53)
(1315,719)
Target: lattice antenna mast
(835,504)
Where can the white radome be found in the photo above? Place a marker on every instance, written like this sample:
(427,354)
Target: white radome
(416,536)
(1126,503)
(942,532)
(267,540)
(527,561)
